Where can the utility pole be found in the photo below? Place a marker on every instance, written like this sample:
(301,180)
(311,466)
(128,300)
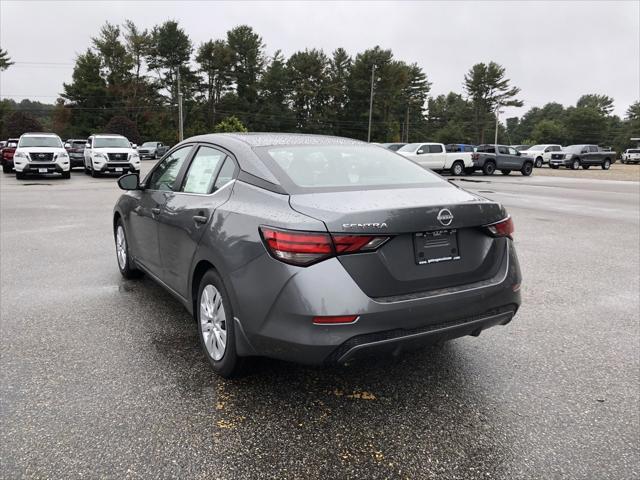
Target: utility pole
(495,142)
(373,71)
(180,125)
(407,124)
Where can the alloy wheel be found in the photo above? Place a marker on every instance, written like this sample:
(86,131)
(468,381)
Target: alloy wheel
(213,322)
(121,247)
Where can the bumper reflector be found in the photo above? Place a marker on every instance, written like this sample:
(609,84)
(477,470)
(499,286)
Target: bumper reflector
(335,319)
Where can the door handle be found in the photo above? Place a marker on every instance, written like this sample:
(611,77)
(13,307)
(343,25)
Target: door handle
(200,219)
(155,211)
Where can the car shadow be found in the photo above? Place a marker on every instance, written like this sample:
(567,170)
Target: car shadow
(376,413)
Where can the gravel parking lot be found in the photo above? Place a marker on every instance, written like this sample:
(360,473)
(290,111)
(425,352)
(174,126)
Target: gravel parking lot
(618,171)
(102,377)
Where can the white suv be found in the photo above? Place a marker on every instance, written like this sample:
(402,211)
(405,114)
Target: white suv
(41,153)
(110,154)
(541,154)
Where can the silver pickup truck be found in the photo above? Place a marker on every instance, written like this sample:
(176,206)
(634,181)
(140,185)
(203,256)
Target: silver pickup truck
(585,156)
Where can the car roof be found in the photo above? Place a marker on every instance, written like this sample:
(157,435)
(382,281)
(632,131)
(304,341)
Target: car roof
(242,145)
(40,134)
(108,135)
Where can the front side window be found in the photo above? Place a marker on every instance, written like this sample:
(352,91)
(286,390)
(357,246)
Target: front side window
(165,174)
(43,141)
(202,170)
(343,166)
(593,148)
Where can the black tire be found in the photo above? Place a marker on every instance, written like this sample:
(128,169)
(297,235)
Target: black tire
(575,164)
(94,174)
(527,169)
(230,365)
(127,270)
(489,168)
(457,168)
(469,170)
(505,172)
(555,167)
(6,168)
(20,176)
(66,175)
(606,164)
(539,162)
(585,167)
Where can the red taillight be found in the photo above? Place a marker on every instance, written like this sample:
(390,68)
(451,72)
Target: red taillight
(503,228)
(357,243)
(335,319)
(306,248)
(475,156)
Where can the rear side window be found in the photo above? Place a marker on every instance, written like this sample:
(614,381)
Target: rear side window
(435,148)
(202,171)
(226,174)
(343,166)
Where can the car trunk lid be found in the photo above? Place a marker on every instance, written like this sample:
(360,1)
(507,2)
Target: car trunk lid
(406,215)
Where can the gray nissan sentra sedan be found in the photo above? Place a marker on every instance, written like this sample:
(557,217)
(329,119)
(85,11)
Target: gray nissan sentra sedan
(315,249)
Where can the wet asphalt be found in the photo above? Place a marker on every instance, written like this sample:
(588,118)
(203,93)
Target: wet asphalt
(103,377)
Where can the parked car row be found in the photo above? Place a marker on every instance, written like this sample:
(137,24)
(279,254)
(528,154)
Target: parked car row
(44,153)
(458,159)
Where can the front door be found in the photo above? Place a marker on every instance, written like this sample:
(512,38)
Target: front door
(188,211)
(144,218)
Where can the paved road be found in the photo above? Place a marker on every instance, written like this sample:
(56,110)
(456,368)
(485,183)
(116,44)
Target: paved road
(102,377)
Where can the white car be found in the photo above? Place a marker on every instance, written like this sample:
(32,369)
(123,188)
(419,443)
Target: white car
(631,155)
(435,157)
(110,154)
(541,154)
(41,153)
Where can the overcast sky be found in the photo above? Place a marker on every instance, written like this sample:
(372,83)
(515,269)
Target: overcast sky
(553,51)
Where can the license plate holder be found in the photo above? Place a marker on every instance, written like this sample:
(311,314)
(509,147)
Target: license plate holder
(436,247)
(42,170)
(118,169)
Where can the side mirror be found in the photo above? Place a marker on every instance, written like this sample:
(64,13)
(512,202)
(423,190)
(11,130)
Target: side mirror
(130,181)
(67,145)
(420,152)
(133,145)
(518,153)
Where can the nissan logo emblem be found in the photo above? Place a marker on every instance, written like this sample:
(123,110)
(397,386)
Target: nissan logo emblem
(41,155)
(445,217)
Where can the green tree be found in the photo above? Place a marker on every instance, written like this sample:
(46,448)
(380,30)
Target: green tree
(214,59)
(338,89)
(5,61)
(550,131)
(602,103)
(248,62)
(488,90)
(21,122)
(230,125)
(308,74)
(275,89)
(123,126)
(585,125)
(116,61)
(87,94)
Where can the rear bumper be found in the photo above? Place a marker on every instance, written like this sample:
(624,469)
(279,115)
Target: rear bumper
(76,161)
(384,326)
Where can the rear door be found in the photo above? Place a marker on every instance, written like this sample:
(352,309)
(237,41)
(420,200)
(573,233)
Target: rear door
(206,185)
(437,156)
(144,218)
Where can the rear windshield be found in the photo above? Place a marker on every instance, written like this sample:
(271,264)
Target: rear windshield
(111,142)
(79,144)
(328,167)
(43,141)
(149,144)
